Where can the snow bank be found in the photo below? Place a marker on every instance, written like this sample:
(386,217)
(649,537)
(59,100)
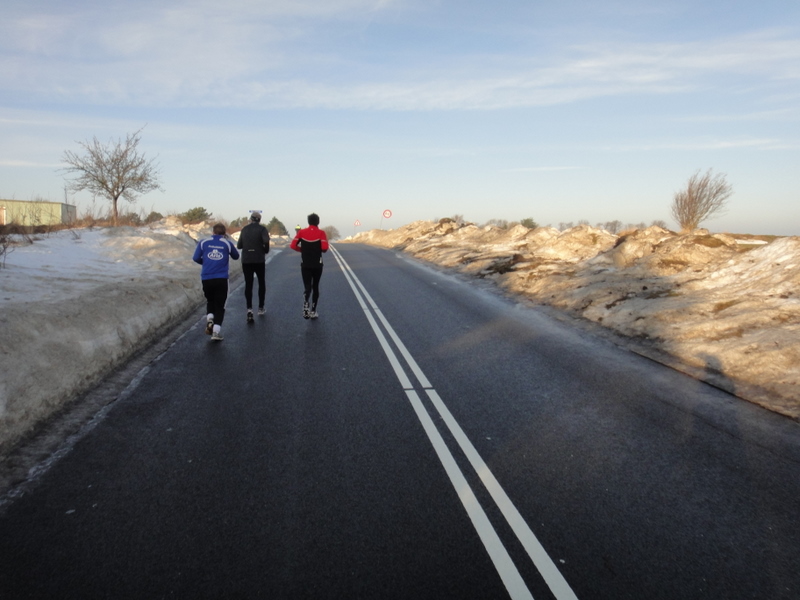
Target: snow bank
(76,304)
(698,302)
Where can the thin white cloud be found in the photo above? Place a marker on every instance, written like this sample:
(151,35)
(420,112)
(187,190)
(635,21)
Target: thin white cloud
(599,73)
(263,55)
(28,164)
(701,145)
(540,169)
(784,114)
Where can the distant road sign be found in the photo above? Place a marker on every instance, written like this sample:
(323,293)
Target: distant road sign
(387,213)
(357,223)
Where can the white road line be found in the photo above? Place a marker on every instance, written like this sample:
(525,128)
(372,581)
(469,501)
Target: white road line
(547,568)
(505,567)
(491,541)
(398,368)
(423,381)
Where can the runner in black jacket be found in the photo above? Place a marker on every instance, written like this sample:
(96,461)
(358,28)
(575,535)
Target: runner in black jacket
(254,244)
(311,242)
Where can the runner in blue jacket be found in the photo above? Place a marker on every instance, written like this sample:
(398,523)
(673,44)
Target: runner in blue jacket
(214,255)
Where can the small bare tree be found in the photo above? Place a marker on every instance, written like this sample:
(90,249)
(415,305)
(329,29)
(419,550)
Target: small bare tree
(499,223)
(5,246)
(113,171)
(613,227)
(704,197)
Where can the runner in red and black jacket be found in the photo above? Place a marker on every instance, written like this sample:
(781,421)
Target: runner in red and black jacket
(311,242)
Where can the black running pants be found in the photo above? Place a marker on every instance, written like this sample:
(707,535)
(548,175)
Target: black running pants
(216,293)
(257,269)
(311,277)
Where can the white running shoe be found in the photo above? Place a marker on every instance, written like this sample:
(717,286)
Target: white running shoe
(216,336)
(261,311)
(313,314)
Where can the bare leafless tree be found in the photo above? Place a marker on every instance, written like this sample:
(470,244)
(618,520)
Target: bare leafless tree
(5,246)
(331,232)
(113,171)
(705,196)
(499,223)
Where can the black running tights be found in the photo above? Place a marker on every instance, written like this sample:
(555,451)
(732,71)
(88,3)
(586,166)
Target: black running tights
(257,269)
(311,279)
(216,292)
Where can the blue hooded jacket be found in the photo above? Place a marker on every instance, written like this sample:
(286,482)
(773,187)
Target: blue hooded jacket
(214,253)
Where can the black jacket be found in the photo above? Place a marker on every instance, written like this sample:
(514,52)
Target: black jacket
(254,243)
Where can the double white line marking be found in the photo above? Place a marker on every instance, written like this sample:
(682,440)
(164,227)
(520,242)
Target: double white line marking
(508,572)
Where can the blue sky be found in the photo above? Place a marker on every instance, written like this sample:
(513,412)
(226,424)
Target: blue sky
(558,111)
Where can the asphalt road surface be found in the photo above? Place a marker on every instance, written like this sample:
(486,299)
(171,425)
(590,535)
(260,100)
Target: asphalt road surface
(423,438)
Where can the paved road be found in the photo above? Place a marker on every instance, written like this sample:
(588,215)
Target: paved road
(422,439)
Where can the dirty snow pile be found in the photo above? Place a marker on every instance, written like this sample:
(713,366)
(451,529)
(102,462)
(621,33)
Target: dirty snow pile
(724,310)
(77,303)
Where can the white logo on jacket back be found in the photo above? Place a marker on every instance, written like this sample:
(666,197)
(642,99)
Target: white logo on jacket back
(215,255)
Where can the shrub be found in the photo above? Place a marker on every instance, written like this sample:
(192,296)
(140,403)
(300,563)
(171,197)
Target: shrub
(153,217)
(194,215)
(704,197)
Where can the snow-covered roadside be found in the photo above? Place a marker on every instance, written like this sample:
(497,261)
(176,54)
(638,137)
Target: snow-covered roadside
(76,304)
(700,303)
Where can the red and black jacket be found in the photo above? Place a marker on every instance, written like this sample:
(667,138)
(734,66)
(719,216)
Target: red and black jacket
(311,242)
